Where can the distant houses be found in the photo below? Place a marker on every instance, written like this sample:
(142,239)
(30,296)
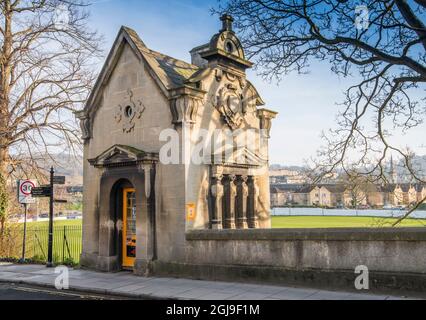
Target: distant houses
(340,195)
(420,191)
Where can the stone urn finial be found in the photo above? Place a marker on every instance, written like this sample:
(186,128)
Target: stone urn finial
(226,22)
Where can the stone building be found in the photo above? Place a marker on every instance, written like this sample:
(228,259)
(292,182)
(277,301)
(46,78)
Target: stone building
(421,191)
(138,200)
(340,195)
(313,196)
(409,194)
(393,195)
(376,196)
(283,194)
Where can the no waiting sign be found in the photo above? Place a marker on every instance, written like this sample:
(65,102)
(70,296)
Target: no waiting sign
(24,191)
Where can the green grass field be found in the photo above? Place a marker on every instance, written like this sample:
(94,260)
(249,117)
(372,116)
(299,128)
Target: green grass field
(67,242)
(59,223)
(299,222)
(340,222)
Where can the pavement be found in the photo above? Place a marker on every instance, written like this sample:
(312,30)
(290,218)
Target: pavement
(125,284)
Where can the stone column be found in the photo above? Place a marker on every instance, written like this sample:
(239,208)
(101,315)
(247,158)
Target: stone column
(229,202)
(217,195)
(252,203)
(241,209)
(150,246)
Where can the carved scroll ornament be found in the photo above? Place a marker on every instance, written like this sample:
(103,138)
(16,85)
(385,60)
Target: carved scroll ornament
(128,112)
(228,103)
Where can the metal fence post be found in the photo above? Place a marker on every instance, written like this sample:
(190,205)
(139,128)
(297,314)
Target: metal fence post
(63,244)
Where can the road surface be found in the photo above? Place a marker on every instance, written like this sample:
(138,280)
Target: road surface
(22,292)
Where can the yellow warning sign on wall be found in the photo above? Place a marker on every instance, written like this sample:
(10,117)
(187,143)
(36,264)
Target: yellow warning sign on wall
(190,211)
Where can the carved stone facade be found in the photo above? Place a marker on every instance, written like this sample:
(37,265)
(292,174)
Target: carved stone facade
(85,125)
(129,112)
(141,93)
(229,104)
(266,117)
(184,105)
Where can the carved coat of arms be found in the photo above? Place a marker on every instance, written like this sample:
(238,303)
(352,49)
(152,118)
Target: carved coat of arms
(228,103)
(129,112)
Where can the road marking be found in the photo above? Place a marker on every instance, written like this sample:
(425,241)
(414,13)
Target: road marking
(59,293)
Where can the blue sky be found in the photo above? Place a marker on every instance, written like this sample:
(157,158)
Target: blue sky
(306,103)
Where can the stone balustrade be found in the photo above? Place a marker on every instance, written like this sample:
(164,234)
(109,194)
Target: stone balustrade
(233,201)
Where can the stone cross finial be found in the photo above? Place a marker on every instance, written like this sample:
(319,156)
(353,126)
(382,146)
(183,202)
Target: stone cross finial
(226,22)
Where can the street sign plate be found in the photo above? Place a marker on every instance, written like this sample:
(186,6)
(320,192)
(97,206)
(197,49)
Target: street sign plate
(59,180)
(60,201)
(41,192)
(24,191)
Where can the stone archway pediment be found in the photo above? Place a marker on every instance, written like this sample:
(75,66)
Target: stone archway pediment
(122,155)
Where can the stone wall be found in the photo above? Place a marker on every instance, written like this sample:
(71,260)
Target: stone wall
(396,258)
(131,77)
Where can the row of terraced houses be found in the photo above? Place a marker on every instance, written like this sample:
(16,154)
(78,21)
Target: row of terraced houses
(338,195)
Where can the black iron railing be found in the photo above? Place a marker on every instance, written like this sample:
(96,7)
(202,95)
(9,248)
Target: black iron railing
(67,244)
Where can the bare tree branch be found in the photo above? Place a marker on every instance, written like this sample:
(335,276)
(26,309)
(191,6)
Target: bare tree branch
(387,57)
(47,53)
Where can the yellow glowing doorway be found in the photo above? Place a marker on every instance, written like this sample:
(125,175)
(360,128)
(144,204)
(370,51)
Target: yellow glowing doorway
(129,228)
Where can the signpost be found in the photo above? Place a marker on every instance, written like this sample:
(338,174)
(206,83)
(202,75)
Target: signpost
(50,242)
(47,191)
(41,192)
(25,188)
(59,180)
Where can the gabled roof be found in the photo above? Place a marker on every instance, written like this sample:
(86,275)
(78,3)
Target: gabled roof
(405,187)
(307,189)
(389,188)
(419,187)
(286,187)
(172,72)
(168,72)
(334,188)
(273,189)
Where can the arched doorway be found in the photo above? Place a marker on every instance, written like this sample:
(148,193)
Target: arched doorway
(126,209)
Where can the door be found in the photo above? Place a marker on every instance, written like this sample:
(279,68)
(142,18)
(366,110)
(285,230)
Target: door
(129,228)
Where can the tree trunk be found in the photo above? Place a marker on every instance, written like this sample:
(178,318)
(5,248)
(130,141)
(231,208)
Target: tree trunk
(4,160)
(5,77)
(2,224)
(3,209)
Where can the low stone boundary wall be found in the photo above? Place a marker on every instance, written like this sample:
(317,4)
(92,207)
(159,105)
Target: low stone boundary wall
(395,257)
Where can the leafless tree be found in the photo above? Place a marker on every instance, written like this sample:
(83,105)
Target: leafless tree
(47,54)
(357,188)
(381,45)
